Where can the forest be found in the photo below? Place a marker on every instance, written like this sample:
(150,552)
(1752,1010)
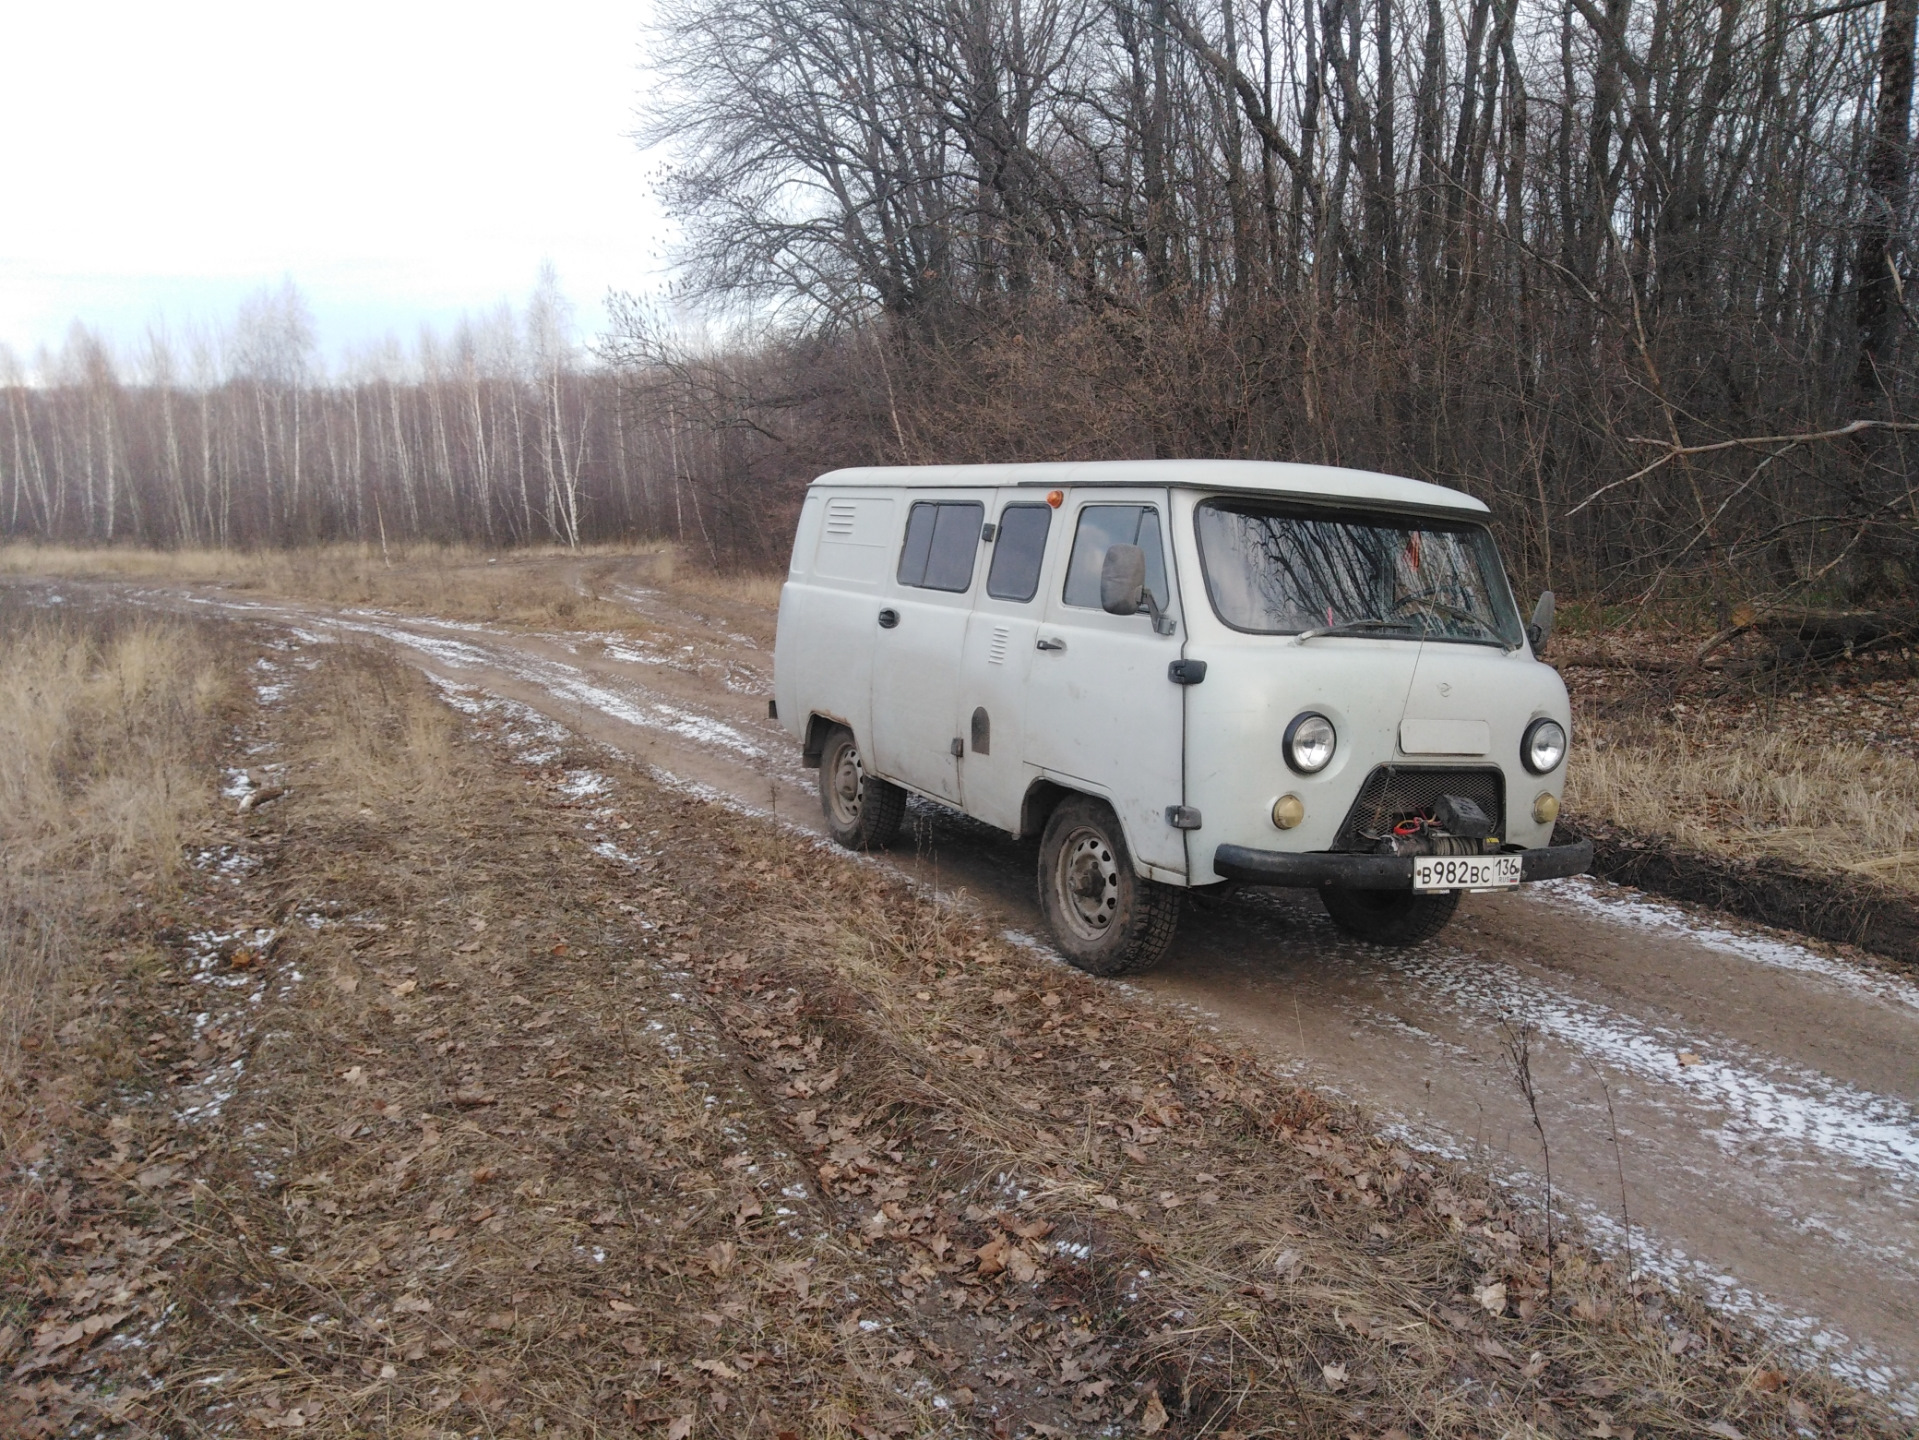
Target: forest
(1635,272)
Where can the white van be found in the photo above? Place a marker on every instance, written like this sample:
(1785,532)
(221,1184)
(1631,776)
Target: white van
(1180,675)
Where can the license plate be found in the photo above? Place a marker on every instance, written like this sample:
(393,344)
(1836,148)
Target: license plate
(1465,872)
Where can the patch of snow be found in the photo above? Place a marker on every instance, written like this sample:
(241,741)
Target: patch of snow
(582,784)
(1760,1100)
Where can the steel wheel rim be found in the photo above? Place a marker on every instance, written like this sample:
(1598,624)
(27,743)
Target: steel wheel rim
(1086,880)
(848,781)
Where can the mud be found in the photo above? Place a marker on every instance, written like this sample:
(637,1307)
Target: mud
(1851,910)
(1736,1106)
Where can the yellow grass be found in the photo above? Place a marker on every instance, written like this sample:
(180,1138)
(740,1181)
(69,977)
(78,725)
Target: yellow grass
(128,562)
(755,589)
(544,587)
(1750,791)
(377,740)
(107,731)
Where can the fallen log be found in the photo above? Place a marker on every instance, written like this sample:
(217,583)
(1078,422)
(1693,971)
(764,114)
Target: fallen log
(1825,634)
(1803,634)
(1602,660)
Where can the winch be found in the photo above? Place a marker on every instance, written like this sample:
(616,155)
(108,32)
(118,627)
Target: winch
(1456,825)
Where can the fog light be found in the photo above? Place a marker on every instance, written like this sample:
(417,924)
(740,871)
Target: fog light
(1546,808)
(1288,811)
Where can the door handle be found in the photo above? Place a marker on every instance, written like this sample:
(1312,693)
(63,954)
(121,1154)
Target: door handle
(1050,645)
(889,617)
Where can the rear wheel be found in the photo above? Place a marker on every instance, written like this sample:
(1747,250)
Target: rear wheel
(1390,917)
(1107,919)
(862,811)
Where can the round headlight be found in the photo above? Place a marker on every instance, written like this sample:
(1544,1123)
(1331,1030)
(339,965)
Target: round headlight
(1309,743)
(1544,746)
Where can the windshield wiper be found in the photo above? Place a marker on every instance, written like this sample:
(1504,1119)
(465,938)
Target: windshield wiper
(1354,627)
(1466,615)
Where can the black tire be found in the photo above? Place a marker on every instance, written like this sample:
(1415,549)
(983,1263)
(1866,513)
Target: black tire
(1105,917)
(1390,917)
(862,811)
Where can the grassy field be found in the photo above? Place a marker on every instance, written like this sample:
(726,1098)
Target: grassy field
(544,588)
(474,1084)
(109,727)
(1758,790)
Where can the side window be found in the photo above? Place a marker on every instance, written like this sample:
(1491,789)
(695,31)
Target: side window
(1100,528)
(1018,552)
(942,537)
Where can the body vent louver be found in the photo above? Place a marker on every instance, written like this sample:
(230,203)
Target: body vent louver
(841,516)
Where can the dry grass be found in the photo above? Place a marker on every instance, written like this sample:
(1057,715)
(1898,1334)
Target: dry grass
(377,741)
(1747,791)
(544,588)
(753,589)
(256,567)
(108,729)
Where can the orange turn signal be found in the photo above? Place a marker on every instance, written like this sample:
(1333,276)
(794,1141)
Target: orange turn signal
(1056,498)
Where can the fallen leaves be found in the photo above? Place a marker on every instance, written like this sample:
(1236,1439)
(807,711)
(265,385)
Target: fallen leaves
(294,1419)
(1152,1414)
(645,1229)
(992,1255)
(1026,1229)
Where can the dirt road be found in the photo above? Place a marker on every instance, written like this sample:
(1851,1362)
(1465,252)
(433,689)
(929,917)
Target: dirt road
(1740,1109)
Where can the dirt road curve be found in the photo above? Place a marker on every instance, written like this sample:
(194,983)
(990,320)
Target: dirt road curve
(1765,1094)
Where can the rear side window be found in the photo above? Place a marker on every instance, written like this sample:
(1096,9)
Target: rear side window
(1018,552)
(942,537)
(1100,528)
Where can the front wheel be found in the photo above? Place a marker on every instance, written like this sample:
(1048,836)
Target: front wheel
(862,811)
(1390,917)
(1106,918)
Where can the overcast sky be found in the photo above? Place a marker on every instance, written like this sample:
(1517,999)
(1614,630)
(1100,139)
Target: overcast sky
(401,160)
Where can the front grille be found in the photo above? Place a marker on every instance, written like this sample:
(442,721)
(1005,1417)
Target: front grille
(1394,792)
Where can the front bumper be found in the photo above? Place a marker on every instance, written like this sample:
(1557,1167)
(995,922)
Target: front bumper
(1314,868)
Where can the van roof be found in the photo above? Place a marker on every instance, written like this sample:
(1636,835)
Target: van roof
(1264,477)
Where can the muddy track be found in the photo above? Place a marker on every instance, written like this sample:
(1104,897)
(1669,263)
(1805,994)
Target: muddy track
(1759,1097)
(1854,910)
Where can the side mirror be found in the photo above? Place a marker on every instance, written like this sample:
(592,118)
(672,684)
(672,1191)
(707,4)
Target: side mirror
(1541,629)
(1122,580)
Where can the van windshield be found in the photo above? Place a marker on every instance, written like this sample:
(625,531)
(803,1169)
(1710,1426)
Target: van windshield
(1275,569)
